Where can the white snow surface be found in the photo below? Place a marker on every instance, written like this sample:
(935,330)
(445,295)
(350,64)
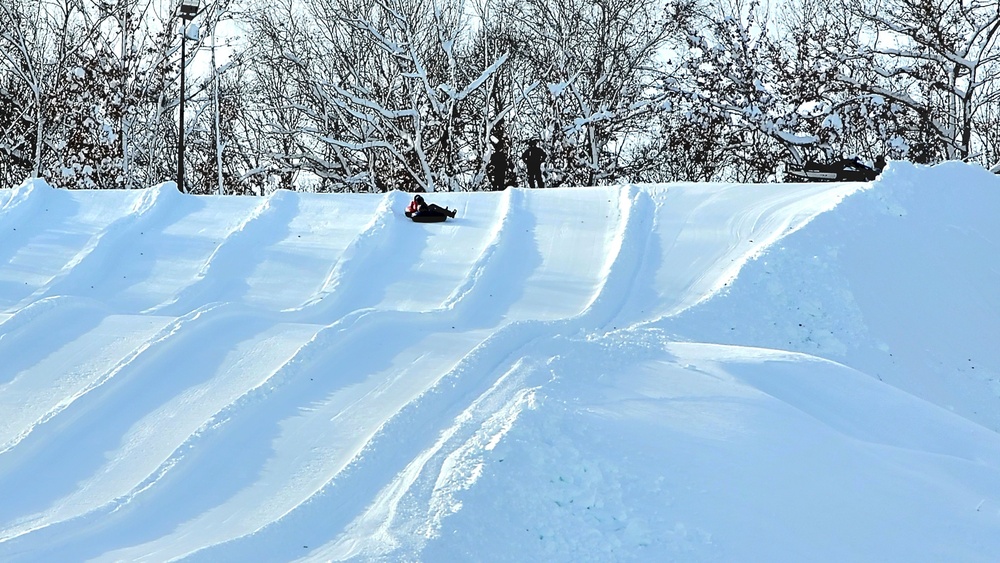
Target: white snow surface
(682,372)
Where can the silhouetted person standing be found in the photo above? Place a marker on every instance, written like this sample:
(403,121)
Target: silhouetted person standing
(497,168)
(533,159)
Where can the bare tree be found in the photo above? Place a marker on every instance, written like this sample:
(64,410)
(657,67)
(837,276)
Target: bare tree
(732,88)
(987,125)
(598,62)
(935,59)
(371,95)
(82,81)
(23,43)
(407,107)
(218,99)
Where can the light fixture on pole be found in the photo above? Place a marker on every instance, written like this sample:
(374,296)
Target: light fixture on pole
(187,11)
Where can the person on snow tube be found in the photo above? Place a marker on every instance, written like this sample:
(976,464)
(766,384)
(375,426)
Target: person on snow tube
(419,208)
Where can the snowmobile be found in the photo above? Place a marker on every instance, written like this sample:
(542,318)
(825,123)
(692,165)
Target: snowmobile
(844,170)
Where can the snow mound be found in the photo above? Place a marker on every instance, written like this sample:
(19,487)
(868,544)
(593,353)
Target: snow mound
(895,282)
(692,372)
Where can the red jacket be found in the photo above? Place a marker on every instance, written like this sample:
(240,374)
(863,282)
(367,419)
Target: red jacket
(415,206)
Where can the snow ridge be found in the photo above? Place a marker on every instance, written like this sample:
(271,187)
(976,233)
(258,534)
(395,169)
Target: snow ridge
(678,372)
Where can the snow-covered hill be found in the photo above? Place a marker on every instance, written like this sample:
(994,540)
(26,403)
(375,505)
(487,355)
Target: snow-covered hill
(684,372)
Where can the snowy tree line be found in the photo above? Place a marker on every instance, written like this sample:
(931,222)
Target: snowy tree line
(374,95)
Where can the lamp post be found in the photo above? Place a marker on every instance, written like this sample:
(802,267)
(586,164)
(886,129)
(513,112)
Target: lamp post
(187,11)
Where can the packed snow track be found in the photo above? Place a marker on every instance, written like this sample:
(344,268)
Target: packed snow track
(306,376)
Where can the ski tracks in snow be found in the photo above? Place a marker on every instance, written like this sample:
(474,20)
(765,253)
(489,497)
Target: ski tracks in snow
(366,387)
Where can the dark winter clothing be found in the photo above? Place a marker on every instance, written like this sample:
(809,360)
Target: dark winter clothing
(533,159)
(418,208)
(497,169)
(880,163)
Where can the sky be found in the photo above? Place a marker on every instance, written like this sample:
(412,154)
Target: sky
(677,372)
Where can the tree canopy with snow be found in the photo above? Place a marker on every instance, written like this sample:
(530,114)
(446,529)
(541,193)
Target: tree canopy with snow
(352,95)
